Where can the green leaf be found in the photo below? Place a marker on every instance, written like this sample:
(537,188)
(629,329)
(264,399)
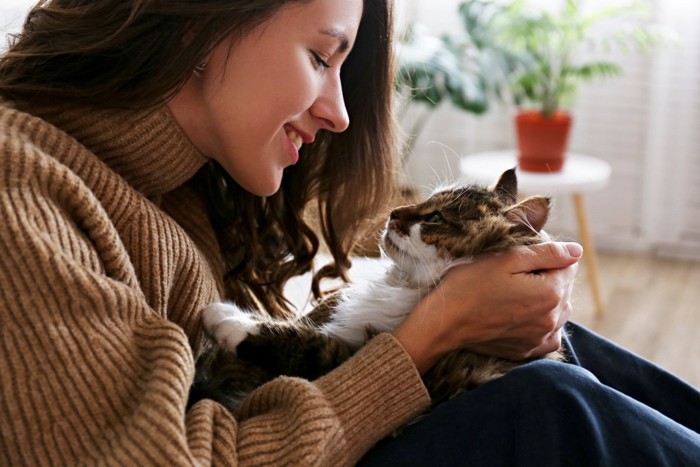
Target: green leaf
(431,71)
(593,70)
(543,40)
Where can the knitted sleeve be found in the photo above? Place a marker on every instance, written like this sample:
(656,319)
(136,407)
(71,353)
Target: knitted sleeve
(92,375)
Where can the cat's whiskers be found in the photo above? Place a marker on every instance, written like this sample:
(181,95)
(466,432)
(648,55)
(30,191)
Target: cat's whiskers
(414,259)
(448,173)
(422,255)
(411,270)
(455,188)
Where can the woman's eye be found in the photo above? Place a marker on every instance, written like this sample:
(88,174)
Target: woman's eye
(319,61)
(434,218)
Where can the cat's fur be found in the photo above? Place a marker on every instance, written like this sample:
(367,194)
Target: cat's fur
(453,226)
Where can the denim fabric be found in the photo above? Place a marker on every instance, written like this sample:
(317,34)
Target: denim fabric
(605,407)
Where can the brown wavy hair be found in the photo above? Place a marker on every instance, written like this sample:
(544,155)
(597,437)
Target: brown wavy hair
(121,53)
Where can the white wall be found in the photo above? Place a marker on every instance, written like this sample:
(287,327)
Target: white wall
(12,13)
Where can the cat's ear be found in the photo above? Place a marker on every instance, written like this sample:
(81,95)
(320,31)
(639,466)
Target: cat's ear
(529,215)
(507,187)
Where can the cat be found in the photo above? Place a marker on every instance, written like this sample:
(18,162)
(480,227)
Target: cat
(453,226)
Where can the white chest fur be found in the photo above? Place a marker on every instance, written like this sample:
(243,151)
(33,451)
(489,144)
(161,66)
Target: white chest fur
(380,305)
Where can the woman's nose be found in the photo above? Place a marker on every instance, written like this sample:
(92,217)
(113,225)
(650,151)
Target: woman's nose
(330,108)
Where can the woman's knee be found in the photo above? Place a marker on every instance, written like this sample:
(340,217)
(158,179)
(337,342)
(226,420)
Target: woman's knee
(551,376)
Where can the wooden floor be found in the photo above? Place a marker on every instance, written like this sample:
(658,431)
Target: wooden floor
(652,307)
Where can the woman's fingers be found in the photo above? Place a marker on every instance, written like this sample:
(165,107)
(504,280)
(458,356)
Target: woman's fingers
(546,256)
(511,305)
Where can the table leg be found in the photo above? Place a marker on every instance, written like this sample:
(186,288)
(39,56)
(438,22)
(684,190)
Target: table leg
(589,253)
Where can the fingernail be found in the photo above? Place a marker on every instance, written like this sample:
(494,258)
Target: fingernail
(575,249)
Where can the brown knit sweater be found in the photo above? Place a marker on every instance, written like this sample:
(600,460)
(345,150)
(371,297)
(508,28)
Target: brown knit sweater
(106,259)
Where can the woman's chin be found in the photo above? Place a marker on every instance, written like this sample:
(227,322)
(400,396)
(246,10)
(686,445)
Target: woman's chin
(262,187)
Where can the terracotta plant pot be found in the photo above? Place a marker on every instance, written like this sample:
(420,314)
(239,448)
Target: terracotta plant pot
(542,141)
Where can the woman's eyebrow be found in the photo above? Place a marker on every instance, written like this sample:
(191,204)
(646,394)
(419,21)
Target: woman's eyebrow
(338,34)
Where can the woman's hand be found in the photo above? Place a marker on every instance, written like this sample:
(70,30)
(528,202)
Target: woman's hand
(512,305)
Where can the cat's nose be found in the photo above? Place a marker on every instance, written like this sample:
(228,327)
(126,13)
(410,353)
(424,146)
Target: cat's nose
(398,213)
(398,225)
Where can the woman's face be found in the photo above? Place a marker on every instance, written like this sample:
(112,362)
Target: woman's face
(260,98)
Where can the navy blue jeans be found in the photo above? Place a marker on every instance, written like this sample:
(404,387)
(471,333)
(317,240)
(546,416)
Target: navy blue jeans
(605,407)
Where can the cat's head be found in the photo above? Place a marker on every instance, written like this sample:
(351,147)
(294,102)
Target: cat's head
(457,224)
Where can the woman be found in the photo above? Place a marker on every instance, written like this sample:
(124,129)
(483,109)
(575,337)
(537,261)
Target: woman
(158,156)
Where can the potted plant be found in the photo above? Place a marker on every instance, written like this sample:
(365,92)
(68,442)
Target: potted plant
(540,44)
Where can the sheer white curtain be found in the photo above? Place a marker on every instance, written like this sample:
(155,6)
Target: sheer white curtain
(672,203)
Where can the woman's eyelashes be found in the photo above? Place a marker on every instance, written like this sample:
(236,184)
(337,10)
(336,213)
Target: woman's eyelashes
(319,62)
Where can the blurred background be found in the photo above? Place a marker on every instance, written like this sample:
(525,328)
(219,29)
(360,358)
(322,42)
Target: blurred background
(642,118)
(633,93)
(644,122)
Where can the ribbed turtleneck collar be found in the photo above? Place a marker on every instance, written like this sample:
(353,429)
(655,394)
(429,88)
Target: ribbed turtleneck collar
(147,148)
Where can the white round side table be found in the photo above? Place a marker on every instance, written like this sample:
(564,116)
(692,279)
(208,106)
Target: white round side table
(579,175)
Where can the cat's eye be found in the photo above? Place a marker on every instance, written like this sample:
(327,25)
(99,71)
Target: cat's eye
(434,218)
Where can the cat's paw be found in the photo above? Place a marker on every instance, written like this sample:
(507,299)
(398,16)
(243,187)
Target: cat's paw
(228,324)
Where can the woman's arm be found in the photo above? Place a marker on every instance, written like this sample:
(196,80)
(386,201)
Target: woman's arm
(374,392)
(511,305)
(91,374)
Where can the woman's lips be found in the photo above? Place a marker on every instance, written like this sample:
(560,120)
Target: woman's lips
(295,138)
